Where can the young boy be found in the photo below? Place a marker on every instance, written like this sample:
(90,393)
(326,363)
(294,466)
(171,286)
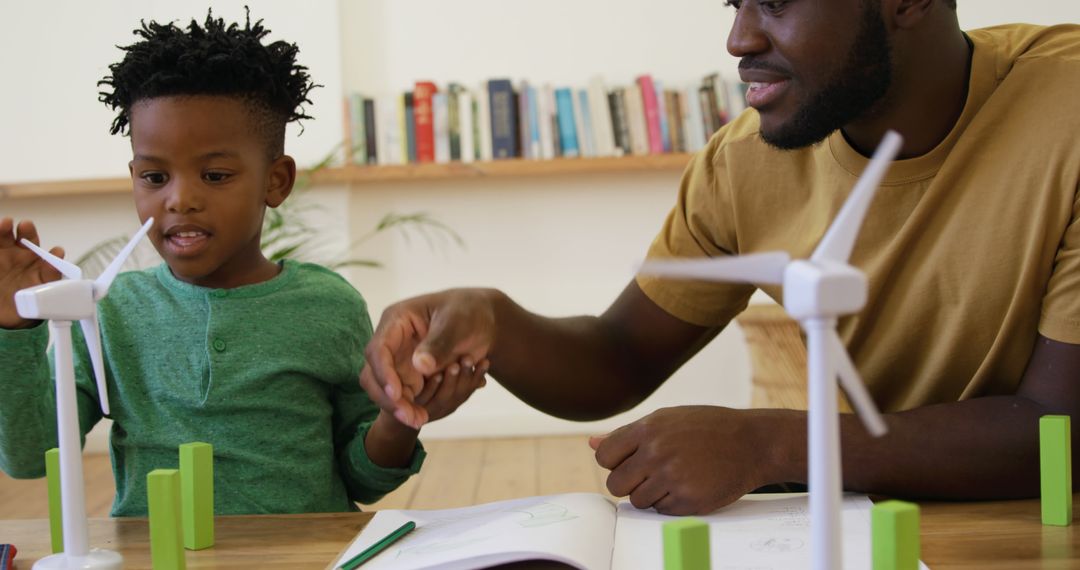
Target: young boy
(218,344)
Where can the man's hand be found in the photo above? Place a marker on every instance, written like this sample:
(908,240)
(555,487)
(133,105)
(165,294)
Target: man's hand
(420,338)
(695,459)
(20,268)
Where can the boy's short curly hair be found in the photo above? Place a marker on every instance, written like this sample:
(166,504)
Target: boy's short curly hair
(212,59)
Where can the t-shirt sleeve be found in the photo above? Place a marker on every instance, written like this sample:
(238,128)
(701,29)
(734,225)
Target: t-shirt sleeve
(701,224)
(354,413)
(27,414)
(28,405)
(1060,318)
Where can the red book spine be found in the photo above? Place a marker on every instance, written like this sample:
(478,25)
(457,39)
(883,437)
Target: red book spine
(652,114)
(425,126)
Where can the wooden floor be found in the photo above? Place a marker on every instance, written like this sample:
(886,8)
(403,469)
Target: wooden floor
(456,473)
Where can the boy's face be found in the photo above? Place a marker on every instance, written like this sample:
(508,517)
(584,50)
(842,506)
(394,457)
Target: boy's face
(202,171)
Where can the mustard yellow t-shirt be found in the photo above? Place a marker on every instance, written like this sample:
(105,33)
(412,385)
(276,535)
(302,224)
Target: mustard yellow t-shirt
(970,250)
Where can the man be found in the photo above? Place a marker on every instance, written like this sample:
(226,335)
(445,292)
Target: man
(971,249)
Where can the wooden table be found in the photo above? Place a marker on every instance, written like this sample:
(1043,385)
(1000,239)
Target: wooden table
(992,535)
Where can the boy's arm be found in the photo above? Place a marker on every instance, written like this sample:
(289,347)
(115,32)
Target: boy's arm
(27,408)
(357,421)
(28,403)
(375,453)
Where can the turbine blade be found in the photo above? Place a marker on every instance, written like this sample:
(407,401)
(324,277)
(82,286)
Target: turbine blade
(752,268)
(101,284)
(92,334)
(66,268)
(854,388)
(840,237)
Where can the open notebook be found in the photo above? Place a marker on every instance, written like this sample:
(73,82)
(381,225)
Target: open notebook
(588,531)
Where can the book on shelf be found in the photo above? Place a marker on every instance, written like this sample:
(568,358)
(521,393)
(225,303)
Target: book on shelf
(453,108)
(662,112)
(410,127)
(357,131)
(440,119)
(346,124)
(619,125)
(692,120)
(496,121)
(544,124)
(589,531)
(504,119)
(674,141)
(600,111)
(483,123)
(424,123)
(370,148)
(388,130)
(553,121)
(640,141)
(533,95)
(564,107)
(652,114)
(466,126)
(583,123)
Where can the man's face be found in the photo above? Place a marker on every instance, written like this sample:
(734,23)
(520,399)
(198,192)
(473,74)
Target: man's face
(813,65)
(203,173)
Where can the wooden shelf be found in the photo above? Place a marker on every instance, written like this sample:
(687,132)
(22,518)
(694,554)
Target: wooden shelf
(373,174)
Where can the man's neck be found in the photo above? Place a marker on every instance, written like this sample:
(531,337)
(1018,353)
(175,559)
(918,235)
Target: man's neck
(925,100)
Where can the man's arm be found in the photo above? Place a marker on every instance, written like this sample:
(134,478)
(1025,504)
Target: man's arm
(695,459)
(584,368)
(975,449)
(577,368)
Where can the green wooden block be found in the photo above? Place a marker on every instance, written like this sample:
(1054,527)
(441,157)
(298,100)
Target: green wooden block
(197,494)
(56,509)
(1055,469)
(895,527)
(166,536)
(686,544)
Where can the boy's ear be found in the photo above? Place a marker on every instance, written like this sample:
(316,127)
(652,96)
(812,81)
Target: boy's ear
(282,177)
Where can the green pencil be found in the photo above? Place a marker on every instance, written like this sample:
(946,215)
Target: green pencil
(378,547)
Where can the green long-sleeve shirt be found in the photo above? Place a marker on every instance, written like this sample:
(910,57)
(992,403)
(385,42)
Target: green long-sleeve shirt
(266,373)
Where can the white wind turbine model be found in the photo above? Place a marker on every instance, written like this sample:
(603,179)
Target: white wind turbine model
(816,292)
(73,299)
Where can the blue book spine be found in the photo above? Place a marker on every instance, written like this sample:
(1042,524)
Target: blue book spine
(564,106)
(504,137)
(588,138)
(534,123)
(661,105)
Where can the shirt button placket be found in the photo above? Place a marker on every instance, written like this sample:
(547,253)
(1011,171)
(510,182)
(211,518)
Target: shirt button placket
(219,343)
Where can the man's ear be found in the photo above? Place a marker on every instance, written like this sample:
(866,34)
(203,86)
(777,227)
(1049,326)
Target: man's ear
(282,178)
(907,14)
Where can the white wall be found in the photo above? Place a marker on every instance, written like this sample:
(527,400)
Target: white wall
(52,126)
(560,245)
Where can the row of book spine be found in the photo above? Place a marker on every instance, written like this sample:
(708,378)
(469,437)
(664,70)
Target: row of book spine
(500,120)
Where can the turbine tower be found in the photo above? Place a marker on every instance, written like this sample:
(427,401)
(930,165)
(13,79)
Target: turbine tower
(816,292)
(61,302)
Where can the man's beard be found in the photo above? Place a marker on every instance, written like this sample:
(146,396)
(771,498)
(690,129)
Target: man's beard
(860,83)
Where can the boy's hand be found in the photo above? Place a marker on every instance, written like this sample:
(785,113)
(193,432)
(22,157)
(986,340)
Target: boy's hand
(20,268)
(420,338)
(444,392)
